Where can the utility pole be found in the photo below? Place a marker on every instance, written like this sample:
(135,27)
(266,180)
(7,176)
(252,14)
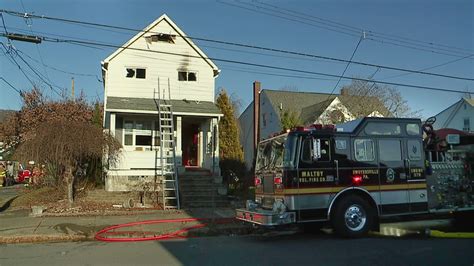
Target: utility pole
(72,89)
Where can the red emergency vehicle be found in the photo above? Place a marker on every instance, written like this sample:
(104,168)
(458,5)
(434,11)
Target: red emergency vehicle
(354,174)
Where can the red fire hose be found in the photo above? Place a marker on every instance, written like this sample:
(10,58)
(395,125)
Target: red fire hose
(102,234)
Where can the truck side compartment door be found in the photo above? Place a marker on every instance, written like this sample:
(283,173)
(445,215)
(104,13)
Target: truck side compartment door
(393,177)
(416,178)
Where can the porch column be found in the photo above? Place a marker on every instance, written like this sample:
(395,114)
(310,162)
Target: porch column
(215,122)
(179,138)
(112,124)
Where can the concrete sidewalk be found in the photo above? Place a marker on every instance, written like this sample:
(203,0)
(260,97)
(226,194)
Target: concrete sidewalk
(19,227)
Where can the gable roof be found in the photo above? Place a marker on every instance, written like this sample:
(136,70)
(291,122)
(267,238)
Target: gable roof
(148,29)
(297,100)
(309,105)
(311,113)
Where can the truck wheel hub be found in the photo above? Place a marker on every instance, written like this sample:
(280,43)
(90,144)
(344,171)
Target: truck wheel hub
(355,218)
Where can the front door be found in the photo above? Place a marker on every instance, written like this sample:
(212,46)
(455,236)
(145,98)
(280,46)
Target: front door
(393,177)
(190,145)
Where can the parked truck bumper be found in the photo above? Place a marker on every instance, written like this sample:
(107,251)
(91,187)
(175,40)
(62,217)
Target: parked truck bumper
(257,215)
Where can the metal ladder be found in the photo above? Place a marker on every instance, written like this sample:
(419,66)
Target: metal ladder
(165,159)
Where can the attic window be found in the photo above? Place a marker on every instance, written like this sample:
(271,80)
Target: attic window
(187,76)
(161,37)
(139,73)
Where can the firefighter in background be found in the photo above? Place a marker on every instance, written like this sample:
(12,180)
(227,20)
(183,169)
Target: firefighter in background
(3,174)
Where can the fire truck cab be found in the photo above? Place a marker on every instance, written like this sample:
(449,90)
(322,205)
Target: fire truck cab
(353,174)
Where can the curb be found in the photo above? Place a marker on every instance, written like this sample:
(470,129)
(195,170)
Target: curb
(43,239)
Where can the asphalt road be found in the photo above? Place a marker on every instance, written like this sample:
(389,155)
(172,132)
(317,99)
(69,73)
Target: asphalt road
(293,249)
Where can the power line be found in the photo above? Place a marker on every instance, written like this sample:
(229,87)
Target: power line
(347,66)
(18,65)
(30,67)
(40,76)
(14,13)
(431,67)
(59,70)
(11,86)
(55,40)
(37,47)
(350,28)
(14,60)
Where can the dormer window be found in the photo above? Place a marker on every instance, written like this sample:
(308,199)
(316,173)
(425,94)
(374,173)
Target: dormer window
(187,76)
(139,73)
(161,37)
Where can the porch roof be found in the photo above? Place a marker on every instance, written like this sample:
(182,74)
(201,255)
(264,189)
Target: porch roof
(143,104)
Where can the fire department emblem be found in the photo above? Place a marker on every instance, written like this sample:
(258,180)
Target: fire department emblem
(390,175)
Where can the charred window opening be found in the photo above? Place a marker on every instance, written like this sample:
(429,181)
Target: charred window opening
(139,73)
(130,72)
(192,76)
(161,37)
(187,76)
(182,76)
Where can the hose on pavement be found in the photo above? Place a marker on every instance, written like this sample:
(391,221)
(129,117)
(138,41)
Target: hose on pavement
(103,234)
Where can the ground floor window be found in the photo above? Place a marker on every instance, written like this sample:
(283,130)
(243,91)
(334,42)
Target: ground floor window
(140,134)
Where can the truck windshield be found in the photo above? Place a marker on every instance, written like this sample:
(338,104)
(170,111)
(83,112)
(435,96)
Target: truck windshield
(275,153)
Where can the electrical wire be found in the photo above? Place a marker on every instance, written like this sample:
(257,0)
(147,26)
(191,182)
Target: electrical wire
(11,86)
(345,69)
(37,46)
(59,70)
(431,67)
(14,13)
(251,64)
(350,28)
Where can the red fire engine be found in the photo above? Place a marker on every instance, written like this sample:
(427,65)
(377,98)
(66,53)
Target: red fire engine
(354,174)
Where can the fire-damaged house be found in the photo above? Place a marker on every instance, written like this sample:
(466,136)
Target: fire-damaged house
(159,104)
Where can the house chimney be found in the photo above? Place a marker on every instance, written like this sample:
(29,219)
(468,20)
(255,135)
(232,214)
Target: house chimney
(256,115)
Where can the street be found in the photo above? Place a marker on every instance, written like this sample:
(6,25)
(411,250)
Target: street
(291,249)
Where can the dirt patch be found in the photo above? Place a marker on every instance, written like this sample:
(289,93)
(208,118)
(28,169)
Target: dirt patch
(56,204)
(36,196)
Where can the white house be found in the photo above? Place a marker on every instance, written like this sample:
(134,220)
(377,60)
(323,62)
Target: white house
(159,58)
(459,115)
(309,107)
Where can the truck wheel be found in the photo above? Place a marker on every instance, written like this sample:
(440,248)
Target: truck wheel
(352,217)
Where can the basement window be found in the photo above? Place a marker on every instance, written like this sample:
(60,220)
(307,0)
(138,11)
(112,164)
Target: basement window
(187,76)
(139,73)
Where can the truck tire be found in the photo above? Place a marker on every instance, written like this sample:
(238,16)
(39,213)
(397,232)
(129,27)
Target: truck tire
(352,217)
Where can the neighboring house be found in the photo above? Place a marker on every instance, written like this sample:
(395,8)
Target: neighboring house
(159,59)
(309,107)
(459,115)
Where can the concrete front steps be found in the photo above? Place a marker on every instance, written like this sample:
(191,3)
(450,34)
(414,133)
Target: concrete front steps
(199,189)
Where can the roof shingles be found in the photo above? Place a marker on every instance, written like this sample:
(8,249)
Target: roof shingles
(179,106)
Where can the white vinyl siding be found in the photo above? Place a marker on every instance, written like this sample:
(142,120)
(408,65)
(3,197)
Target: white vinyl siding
(159,64)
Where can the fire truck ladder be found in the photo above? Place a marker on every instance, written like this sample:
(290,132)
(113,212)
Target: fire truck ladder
(165,158)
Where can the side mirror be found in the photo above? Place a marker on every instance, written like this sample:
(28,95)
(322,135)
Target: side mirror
(316,149)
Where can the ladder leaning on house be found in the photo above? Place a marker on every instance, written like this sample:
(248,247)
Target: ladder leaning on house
(165,158)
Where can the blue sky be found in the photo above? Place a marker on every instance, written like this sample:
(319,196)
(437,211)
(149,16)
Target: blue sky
(449,23)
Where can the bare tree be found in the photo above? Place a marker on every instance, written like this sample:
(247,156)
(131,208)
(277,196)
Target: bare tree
(363,98)
(67,145)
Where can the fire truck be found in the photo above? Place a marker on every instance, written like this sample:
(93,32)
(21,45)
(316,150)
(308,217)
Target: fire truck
(355,174)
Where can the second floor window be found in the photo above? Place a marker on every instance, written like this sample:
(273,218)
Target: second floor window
(187,76)
(467,124)
(139,73)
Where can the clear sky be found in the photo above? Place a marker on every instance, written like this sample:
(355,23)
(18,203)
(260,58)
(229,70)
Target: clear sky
(449,23)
